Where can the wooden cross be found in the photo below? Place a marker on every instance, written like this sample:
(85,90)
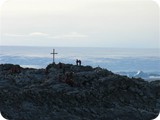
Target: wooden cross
(54,55)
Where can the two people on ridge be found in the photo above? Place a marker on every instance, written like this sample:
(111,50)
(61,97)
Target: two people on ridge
(78,62)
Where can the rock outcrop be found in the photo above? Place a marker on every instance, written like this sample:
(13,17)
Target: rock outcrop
(70,92)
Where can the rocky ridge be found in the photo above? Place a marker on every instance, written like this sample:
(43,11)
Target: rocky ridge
(87,94)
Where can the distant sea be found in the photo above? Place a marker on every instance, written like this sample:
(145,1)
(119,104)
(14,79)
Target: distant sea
(118,60)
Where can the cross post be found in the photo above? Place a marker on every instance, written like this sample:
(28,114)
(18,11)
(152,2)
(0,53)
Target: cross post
(54,55)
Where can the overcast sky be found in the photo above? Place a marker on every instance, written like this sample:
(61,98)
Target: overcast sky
(80,23)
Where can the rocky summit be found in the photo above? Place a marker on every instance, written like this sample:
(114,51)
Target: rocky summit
(73,92)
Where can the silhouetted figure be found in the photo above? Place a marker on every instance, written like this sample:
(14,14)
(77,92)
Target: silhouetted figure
(77,61)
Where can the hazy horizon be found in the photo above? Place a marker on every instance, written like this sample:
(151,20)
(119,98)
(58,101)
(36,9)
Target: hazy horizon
(80,23)
(77,47)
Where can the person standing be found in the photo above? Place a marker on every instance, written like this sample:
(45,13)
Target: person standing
(77,61)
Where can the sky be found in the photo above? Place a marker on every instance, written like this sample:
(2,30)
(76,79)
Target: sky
(80,23)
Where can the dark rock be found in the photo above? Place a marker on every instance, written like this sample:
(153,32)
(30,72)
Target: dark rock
(96,94)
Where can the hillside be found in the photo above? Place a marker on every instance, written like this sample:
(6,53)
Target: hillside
(71,92)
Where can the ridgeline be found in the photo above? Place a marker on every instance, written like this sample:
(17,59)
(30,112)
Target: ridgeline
(71,92)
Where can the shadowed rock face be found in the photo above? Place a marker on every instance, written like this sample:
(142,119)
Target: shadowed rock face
(93,94)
